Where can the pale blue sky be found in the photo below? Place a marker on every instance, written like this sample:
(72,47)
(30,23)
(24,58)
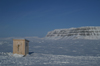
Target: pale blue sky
(22,18)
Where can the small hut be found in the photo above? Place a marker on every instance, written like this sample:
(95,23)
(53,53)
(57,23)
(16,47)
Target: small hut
(20,46)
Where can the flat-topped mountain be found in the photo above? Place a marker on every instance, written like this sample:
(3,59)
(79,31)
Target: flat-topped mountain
(89,32)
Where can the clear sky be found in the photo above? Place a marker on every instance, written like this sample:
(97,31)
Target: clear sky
(26,18)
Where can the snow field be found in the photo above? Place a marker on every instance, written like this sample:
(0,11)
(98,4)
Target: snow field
(53,53)
(7,59)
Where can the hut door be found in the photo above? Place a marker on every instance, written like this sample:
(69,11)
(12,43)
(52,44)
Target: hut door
(18,49)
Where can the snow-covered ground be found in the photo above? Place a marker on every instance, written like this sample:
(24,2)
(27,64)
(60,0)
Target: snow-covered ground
(52,53)
(39,59)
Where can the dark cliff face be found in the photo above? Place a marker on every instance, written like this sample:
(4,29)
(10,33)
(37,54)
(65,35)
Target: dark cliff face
(82,31)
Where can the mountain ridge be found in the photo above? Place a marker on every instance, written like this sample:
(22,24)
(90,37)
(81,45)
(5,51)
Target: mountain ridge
(87,32)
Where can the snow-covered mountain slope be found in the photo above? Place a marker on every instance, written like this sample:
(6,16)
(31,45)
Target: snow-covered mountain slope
(89,32)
